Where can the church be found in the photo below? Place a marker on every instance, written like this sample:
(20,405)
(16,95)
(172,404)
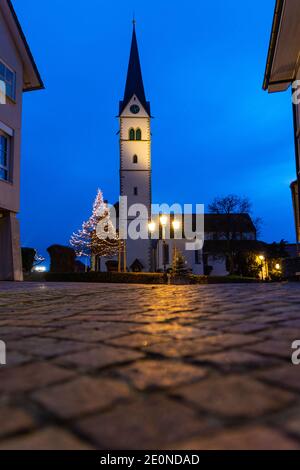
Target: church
(135,155)
(156,255)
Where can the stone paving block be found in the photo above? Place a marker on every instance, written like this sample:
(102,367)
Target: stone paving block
(14,332)
(99,357)
(292,425)
(252,438)
(14,420)
(235,396)
(31,376)
(286,334)
(204,345)
(295,323)
(161,374)
(175,331)
(52,438)
(272,320)
(154,328)
(151,423)
(86,335)
(247,328)
(137,340)
(273,347)
(238,361)
(213,324)
(82,396)
(15,358)
(46,347)
(287,376)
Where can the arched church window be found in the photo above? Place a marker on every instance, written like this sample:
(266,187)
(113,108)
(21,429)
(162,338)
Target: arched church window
(138,134)
(131,134)
(135,158)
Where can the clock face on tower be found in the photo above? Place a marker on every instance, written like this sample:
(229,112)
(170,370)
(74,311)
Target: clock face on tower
(135,109)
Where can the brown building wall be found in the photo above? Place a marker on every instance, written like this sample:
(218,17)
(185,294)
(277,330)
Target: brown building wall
(295,197)
(11,116)
(10,124)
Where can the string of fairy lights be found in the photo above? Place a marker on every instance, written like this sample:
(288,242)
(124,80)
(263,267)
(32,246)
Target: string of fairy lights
(86,241)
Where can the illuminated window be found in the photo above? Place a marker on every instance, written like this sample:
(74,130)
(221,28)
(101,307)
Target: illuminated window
(135,158)
(138,134)
(131,134)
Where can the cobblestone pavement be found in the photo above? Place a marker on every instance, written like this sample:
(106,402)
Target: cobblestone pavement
(149,367)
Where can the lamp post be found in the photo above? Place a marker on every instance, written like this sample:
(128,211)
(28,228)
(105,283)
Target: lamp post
(152,228)
(164,221)
(263,266)
(176,226)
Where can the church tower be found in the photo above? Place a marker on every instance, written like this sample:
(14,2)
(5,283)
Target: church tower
(135,154)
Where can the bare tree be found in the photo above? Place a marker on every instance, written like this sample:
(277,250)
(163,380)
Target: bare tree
(258,223)
(233,211)
(231,204)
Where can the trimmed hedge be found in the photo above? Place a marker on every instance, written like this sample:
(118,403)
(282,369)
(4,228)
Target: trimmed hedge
(222,280)
(118,278)
(135,278)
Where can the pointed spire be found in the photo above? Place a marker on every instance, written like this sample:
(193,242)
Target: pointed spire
(134,82)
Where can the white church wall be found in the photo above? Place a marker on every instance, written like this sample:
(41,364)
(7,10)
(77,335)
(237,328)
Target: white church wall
(198,269)
(131,148)
(219,266)
(189,256)
(139,180)
(139,250)
(135,177)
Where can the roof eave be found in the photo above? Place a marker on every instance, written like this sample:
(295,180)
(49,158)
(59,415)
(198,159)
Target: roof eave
(34,88)
(272,46)
(38,85)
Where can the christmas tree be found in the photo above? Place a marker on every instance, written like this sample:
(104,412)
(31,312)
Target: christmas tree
(98,236)
(179,265)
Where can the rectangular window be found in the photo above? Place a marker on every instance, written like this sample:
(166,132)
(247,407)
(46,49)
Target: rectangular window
(198,254)
(166,253)
(4,157)
(8,77)
(135,191)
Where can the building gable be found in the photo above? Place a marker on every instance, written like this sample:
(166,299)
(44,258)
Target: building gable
(31,76)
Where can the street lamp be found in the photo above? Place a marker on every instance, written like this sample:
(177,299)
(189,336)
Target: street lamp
(151,227)
(176,226)
(277,266)
(264,271)
(164,220)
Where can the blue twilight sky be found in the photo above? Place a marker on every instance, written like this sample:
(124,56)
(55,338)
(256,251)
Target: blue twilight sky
(215,131)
